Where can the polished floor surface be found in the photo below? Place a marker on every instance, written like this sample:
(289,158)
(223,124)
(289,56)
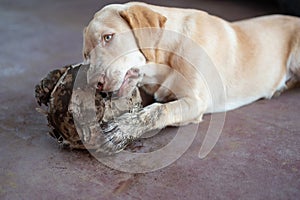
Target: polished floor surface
(256,157)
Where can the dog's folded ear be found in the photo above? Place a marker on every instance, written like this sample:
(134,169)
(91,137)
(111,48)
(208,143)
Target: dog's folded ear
(142,17)
(147,26)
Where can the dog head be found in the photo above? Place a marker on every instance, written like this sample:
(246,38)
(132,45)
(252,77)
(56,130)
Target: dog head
(120,38)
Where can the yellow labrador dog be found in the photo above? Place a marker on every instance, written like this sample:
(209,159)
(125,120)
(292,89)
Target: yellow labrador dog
(191,62)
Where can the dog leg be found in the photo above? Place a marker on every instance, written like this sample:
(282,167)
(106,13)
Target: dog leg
(120,132)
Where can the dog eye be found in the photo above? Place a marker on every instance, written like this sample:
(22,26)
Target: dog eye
(108,37)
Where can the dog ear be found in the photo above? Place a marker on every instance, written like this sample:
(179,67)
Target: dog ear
(85,49)
(147,26)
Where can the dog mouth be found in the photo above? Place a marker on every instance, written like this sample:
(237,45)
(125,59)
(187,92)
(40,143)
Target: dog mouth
(100,86)
(129,82)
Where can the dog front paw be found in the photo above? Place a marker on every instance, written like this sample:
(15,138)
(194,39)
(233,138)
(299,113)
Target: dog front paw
(115,139)
(128,127)
(120,132)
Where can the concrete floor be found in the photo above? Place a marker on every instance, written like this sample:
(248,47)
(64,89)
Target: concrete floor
(257,156)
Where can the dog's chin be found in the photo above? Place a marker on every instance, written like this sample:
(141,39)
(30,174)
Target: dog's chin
(122,90)
(109,88)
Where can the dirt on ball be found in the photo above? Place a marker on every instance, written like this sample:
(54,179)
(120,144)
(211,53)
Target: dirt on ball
(74,111)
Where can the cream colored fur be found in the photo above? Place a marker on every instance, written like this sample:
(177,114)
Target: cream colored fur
(247,60)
